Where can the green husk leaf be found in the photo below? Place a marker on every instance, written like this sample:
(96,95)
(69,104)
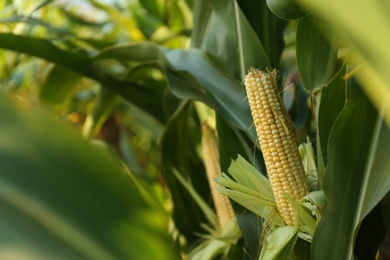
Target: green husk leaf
(245,174)
(225,181)
(317,199)
(279,243)
(260,207)
(252,190)
(218,243)
(307,221)
(309,163)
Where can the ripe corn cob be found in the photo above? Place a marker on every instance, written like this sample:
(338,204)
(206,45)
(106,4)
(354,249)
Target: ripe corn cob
(222,204)
(278,141)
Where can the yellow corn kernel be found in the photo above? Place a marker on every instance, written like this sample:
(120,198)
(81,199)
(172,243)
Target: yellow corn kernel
(278,141)
(224,209)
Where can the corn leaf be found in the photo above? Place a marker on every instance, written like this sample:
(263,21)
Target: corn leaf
(268,27)
(356,177)
(106,101)
(60,196)
(222,31)
(145,97)
(289,10)
(232,142)
(225,181)
(58,85)
(309,163)
(207,210)
(316,59)
(224,93)
(307,221)
(318,200)
(245,174)
(279,243)
(368,38)
(331,102)
(177,153)
(260,207)
(217,244)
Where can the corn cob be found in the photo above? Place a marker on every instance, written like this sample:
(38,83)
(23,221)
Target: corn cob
(222,204)
(278,141)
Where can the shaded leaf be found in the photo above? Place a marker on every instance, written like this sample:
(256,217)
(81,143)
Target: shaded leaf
(331,102)
(59,85)
(222,31)
(143,96)
(176,144)
(60,196)
(226,95)
(370,42)
(268,27)
(289,10)
(356,177)
(106,101)
(316,59)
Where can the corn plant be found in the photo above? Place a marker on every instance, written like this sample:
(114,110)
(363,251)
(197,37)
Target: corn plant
(194,129)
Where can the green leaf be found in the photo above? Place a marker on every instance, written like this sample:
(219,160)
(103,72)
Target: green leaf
(256,204)
(289,10)
(226,95)
(218,244)
(230,143)
(130,52)
(222,31)
(177,152)
(369,43)
(245,174)
(58,85)
(331,102)
(207,210)
(356,177)
(251,189)
(268,27)
(44,49)
(307,221)
(154,7)
(146,97)
(279,243)
(105,103)
(60,196)
(316,59)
